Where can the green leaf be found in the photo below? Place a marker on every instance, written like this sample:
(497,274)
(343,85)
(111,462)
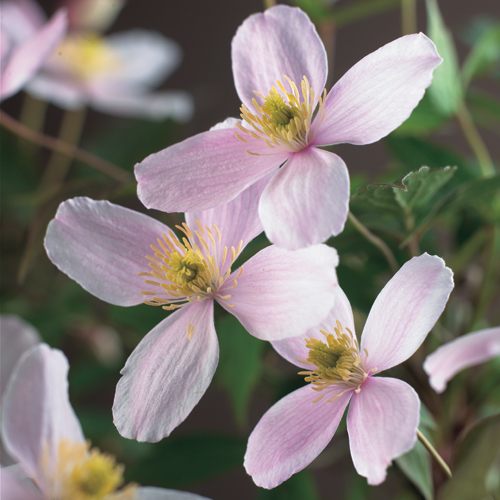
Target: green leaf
(416,465)
(379,197)
(240,364)
(476,193)
(424,118)
(446,89)
(485,109)
(299,487)
(484,55)
(474,455)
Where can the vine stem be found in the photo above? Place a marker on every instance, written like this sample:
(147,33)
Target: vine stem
(434,453)
(408,16)
(375,240)
(62,147)
(269,3)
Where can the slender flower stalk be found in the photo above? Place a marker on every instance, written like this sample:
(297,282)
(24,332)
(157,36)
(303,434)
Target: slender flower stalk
(434,453)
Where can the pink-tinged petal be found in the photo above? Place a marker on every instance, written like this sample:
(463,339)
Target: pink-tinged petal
(280,41)
(294,348)
(405,311)
(283,293)
(27,58)
(102,247)
(65,93)
(37,413)
(14,487)
(237,220)
(469,350)
(151,493)
(16,337)
(307,200)
(382,424)
(379,93)
(292,434)
(167,374)
(202,172)
(21,19)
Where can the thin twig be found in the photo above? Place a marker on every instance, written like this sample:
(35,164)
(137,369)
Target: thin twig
(434,453)
(269,3)
(408,16)
(67,149)
(376,241)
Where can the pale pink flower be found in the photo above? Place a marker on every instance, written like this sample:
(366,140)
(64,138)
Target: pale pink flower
(26,42)
(469,350)
(384,412)
(113,74)
(41,431)
(280,70)
(279,293)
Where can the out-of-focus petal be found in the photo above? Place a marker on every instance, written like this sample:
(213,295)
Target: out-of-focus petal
(202,172)
(293,349)
(102,247)
(280,41)
(379,93)
(292,434)
(14,487)
(405,311)
(307,200)
(469,350)
(27,58)
(151,493)
(167,374)
(237,220)
(37,413)
(65,93)
(382,424)
(176,104)
(284,293)
(20,19)
(16,337)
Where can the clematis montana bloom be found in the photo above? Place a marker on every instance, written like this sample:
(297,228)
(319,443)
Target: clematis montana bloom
(42,432)
(280,70)
(107,249)
(469,350)
(384,412)
(113,74)
(24,51)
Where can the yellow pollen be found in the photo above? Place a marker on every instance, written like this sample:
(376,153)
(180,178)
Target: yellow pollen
(337,362)
(283,120)
(87,55)
(81,473)
(192,270)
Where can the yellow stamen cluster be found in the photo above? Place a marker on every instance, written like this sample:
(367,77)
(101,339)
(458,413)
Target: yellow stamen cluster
(191,270)
(337,362)
(81,473)
(87,55)
(279,124)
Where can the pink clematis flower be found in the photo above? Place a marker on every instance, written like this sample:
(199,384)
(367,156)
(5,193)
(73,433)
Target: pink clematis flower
(469,350)
(107,249)
(25,45)
(114,74)
(280,70)
(42,432)
(384,412)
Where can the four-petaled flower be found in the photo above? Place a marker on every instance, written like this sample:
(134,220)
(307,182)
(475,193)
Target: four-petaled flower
(384,412)
(280,70)
(107,249)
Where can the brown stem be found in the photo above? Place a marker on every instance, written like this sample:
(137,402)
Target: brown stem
(434,453)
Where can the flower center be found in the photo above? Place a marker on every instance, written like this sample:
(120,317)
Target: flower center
(283,120)
(81,473)
(190,271)
(337,362)
(86,56)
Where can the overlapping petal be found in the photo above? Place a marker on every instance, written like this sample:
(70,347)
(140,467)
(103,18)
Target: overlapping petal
(469,350)
(307,200)
(15,487)
(405,311)
(280,41)
(283,293)
(293,349)
(379,93)
(37,413)
(167,374)
(102,247)
(382,424)
(202,172)
(292,434)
